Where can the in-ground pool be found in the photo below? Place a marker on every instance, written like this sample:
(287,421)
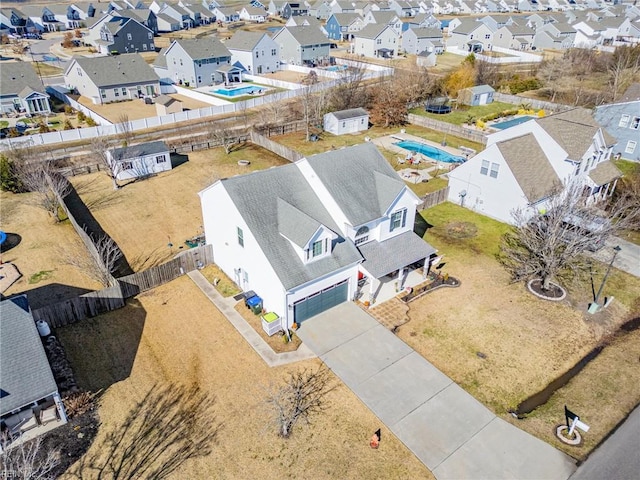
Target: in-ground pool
(336,68)
(237,91)
(429,151)
(511,123)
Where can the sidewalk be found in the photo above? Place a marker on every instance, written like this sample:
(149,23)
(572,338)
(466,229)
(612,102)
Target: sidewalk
(225,305)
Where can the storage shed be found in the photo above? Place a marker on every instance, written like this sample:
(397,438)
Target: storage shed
(166,105)
(140,160)
(478,95)
(352,120)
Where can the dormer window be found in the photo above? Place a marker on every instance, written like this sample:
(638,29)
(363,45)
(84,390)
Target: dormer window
(317,249)
(398,219)
(362,235)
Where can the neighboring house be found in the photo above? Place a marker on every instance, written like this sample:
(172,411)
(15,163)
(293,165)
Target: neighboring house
(200,14)
(560,36)
(226,14)
(515,37)
(123,35)
(142,15)
(471,35)
(302,45)
(42,18)
(418,40)
(294,9)
(384,18)
(622,120)
(320,10)
(474,96)
(275,7)
(68,17)
(198,62)
(253,14)
(342,26)
(30,398)
(167,23)
(21,90)
(86,10)
(376,41)
(255,52)
(166,105)
(560,148)
(174,11)
(341,122)
(113,78)
(298,235)
(139,161)
(14,21)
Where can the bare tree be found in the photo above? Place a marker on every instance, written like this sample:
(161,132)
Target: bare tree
(27,460)
(550,245)
(223,134)
(108,156)
(351,91)
(303,395)
(125,128)
(108,255)
(624,65)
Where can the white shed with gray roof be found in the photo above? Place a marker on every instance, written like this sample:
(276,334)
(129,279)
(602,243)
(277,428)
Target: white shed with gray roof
(341,122)
(142,160)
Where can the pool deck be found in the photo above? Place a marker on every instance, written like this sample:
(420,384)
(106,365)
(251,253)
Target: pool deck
(387,143)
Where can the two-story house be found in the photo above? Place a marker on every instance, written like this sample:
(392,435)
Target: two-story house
(622,120)
(560,149)
(197,62)
(255,52)
(342,26)
(294,9)
(515,37)
(226,14)
(42,18)
(21,90)
(300,235)
(142,15)
(302,45)
(471,36)
(112,78)
(376,41)
(418,40)
(14,21)
(123,35)
(253,14)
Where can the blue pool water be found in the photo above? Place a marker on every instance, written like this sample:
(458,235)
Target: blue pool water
(429,151)
(336,68)
(234,92)
(511,123)
(50,58)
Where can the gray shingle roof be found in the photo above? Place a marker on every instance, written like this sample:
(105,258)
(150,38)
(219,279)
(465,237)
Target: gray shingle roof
(116,70)
(372,31)
(14,76)
(604,173)
(161,59)
(295,225)
(25,374)
(360,180)
(573,130)
(345,19)
(394,253)
(306,35)
(256,196)
(467,26)
(383,16)
(244,41)
(533,171)
(480,89)
(427,32)
(350,113)
(631,94)
(199,48)
(142,149)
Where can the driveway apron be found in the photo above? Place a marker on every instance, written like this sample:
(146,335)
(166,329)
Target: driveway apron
(452,433)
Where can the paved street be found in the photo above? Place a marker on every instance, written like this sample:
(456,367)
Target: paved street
(628,260)
(452,433)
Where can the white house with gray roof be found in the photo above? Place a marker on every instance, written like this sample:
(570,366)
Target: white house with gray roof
(302,45)
(298,235)
(376,41)
(197,62)
(562,148)
(113,78)
(21,90)
(353,120)
(418,40)
(139,161)
(29,398)
(255,52)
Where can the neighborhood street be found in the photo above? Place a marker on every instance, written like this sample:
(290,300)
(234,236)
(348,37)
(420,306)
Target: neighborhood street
(627,260)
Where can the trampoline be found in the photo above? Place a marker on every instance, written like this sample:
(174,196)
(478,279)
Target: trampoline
(439,109)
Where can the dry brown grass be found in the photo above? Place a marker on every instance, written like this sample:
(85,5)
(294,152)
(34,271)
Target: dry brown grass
(277,340)
(143,217)
(39,256)
(174,334)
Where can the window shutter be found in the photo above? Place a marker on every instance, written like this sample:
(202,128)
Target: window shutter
(404,217)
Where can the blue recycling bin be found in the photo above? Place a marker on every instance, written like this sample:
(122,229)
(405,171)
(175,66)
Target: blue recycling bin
(255,304)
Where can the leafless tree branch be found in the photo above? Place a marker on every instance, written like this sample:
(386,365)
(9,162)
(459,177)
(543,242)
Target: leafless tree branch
(27,460)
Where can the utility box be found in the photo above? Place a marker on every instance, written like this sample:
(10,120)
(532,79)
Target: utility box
(271,323)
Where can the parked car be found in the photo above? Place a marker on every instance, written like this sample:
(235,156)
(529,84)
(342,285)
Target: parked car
(33,36)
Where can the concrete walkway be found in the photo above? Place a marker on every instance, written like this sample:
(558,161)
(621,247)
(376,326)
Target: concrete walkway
(225,305)
(627,260)
(452,433)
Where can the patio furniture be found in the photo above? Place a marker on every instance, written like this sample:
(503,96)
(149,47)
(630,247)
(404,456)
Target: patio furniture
(31,422)
(48,415)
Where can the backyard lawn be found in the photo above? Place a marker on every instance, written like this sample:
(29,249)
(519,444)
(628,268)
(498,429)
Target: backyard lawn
(144,217)
(503,345)
(174,336)
(462,113)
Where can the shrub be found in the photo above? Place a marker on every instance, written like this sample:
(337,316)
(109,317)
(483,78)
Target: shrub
(9,181)
(67,125)
(541,113)
(81,116)
(480,124)
(78,403)
(91,122)
(68,109)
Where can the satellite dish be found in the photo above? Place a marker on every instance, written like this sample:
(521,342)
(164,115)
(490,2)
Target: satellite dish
(463,193)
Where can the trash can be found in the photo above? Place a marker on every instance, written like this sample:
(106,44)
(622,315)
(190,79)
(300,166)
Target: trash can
(255,304)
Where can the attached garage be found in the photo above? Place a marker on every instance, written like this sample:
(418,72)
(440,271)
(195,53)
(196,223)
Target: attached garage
(320,301)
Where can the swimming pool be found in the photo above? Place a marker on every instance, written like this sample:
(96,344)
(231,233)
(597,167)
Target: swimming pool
(237,91)
(336,68)
(429,151)
(511,123)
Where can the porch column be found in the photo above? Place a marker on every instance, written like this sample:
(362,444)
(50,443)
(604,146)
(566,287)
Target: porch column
(613,189)
(426,268)
(60,407)
(372,290)
(401,278)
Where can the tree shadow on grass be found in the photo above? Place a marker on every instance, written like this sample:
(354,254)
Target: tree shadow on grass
(421,226)
(172,424)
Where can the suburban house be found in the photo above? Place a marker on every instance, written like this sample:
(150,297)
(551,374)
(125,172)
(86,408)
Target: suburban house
(341,122)
(174,11)
(376,41)
(302,45)
(16,22)
(559,36)
(342,26)
(113,78)
(42,18)
(418,40)
(30,403)
(320,10)
(474,96)
(384,18)
(253,14)
(166,23)
(301,235)
(139,161)
(561,148)
(142,15)
(275,7)
(622,120)
(123,35)
(471,36)
(515,37)
(197,62)
(21,90)
(254,52)
(226,14)
(68,16)
(200,14)
(294,9)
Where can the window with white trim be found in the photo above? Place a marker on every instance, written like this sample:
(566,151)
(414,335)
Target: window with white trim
(398,219)
(127,165)
(362,235)
(317,248)
(635,123)
(484,169)
(494,170)
(631,146)
(129,36)
(240,237)
(624,121)
(116,92)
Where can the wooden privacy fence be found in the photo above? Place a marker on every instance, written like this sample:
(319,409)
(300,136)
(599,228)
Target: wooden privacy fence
(112,298)
(448,128)
(277,148)
(535,104)
(434,198)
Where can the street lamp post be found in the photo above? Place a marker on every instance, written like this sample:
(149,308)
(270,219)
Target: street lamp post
(594,307)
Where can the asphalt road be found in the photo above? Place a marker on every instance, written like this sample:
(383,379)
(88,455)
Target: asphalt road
(618,458)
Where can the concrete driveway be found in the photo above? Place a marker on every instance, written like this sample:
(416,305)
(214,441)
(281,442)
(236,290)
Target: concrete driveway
(627,260)
(452,433)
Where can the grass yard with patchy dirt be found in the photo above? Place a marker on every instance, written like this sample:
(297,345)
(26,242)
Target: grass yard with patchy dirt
(173,335)
(42,252)
(461,114)
(144,216)
(526,342)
